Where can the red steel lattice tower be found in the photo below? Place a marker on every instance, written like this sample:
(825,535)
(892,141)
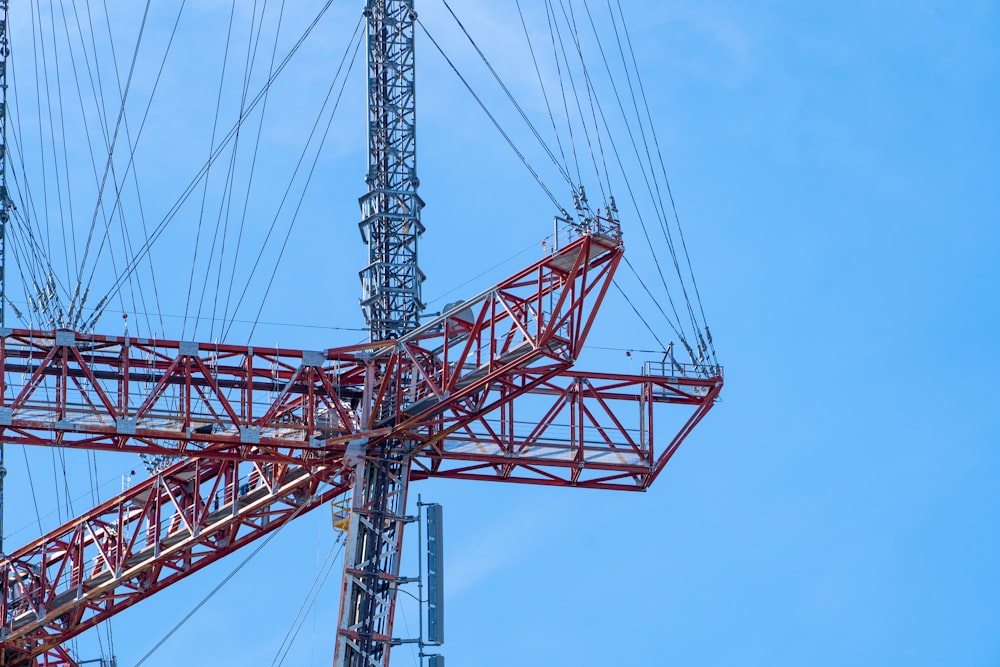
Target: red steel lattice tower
(266,434)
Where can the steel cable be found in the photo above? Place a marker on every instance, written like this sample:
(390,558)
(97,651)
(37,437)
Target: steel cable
(510,96)
(205,183)
(658,198)
(114,141)
(496,123)
(200,174)
(253,167)
(133,261)
(218,587)
(601,178)
(541,84)
(650,189)
(307,604)
(645,99)
(305,187)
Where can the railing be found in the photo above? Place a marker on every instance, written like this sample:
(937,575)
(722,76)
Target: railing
(671,368)
(567,230)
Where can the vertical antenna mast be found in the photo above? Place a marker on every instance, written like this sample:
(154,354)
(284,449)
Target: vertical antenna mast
(391,302)
(390,210)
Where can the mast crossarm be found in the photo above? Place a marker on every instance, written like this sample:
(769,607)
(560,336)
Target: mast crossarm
(224,494)
(597,432)
(229,402)
(151,536)
(576,429)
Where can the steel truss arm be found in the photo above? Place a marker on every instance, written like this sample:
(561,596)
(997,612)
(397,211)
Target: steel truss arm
(590,430)
(248,411)
(154,534)
(293,406)
(597,430)
(53,657)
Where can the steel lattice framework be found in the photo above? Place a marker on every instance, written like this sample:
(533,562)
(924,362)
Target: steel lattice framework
(391,301)
(390,225)
(484,391)
(239,402)
(158,532)
(265,432)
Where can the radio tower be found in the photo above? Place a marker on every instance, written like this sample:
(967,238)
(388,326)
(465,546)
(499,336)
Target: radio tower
(391,301)
(264,435)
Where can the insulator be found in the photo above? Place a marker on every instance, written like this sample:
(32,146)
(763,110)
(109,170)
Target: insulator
(689,351)
(99,308)
(708,334)
(98,311)
(17,313)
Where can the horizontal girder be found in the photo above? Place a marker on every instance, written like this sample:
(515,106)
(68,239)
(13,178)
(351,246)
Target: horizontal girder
(239,402)
(598,430)
(588,430)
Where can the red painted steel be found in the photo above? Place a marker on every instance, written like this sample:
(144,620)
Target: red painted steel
(485,392)
(589,430)
(55,657)
(237,402)
(156,533)
(597,432)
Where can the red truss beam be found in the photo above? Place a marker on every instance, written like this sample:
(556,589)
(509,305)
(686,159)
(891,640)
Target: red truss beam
(294,406)
(56,656)
(590,430)
(156,533)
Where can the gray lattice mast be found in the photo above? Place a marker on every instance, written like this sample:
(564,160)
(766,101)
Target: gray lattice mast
(5,206)
(391,302)
(391,209)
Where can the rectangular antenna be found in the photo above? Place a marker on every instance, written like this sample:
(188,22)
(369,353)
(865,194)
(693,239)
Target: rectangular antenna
(435,661)
(435,577)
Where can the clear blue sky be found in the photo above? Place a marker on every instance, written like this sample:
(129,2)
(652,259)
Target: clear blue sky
(837,171)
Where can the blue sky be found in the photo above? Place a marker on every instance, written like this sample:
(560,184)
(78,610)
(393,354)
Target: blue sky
(836,171)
